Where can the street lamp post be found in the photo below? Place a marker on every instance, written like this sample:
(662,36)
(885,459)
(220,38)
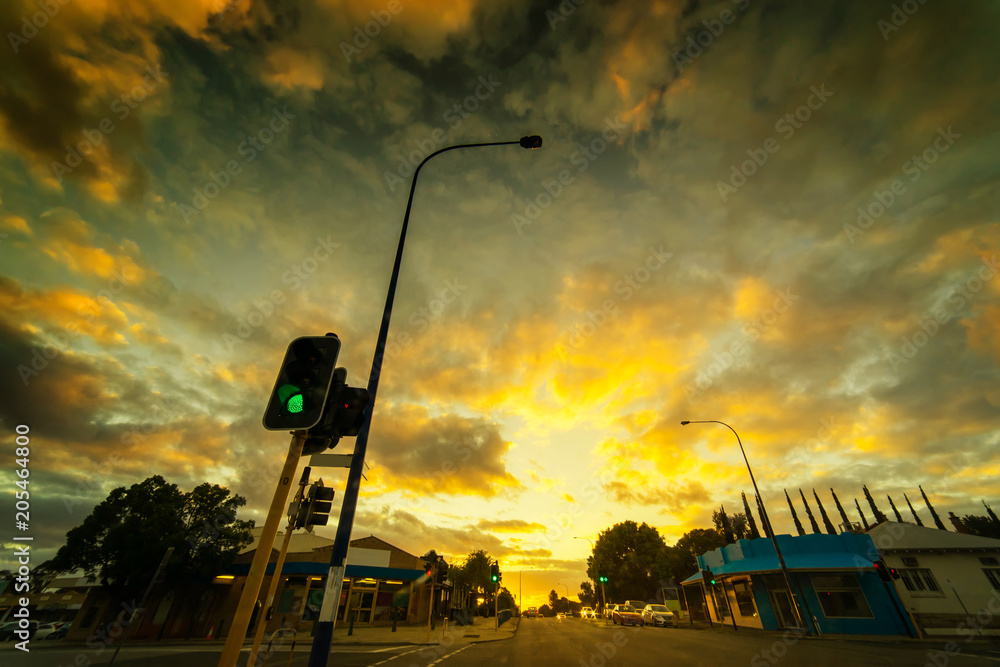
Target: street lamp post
(604,599)
(804,620)
(338,558)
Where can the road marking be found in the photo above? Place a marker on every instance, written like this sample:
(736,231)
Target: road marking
(446,656)
(398,655)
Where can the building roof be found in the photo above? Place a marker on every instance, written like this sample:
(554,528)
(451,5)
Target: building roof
(299,543)
(895,537)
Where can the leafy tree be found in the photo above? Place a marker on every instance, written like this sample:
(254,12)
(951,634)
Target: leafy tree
(546,610)
(472,577)
(627,553)
(587,595)
(505,600)
(553,599)
(721,521)
(982,525)
(124,538)
(683,555)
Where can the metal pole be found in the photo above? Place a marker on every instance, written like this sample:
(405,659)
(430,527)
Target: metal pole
(804,619)
(234,641)
(430,611)
(323,634)
(273,585)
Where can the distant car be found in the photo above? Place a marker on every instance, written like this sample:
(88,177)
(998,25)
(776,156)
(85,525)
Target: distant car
(658,616)
(7,631)
(588,613)
(560,616)
(625,614)
(46,630)
(531,613)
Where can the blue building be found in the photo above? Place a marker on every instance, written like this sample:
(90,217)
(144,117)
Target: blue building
(832,577)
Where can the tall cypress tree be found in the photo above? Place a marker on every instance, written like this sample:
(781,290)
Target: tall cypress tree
(848,524)
(727,527)
(795,517)
(879,517)
(864,521)
(812,519)
(937,519)
(826,520)
(913,511)
(899,518)
(754,533)
(989,510)
(765,521)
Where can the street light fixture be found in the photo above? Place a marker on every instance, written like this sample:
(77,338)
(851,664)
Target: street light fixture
(774,540)
(323,628)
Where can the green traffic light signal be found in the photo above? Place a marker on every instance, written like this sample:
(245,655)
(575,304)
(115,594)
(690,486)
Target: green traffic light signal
(291,397)
(603,579)
(298,399)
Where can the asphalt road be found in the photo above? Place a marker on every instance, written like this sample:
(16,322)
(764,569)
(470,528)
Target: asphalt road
(550,642)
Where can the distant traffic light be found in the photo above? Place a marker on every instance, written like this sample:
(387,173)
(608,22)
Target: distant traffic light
(441,574)
(882,570)
(495,572)
(315,508)
(708,577)
(602,579)
(301,389)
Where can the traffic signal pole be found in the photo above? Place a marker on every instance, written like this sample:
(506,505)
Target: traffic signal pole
(238,628)
(323,628)
(273,586)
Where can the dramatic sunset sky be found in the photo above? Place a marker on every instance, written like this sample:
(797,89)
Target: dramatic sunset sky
(188,185)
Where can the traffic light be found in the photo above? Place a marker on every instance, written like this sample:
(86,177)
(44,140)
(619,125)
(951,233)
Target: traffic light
(894,572)
(602,579)
(315,508)
(343,415)
(301,390)
(708,577)
(442,572)
(495,572)
(882,570)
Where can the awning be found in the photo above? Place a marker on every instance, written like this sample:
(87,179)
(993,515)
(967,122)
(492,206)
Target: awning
(816,562)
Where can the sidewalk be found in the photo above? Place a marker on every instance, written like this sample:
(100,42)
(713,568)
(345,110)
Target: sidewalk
(782,634)
(482,630)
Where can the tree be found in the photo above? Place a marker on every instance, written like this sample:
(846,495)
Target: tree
(505,600)
(913,511)
(848,524)
(864,521)
(546,610)
(754,533)
(627,554)
(991,513)
(124,538)
(587,595)
(982,525)
(721,521)
(683,555)
(473,576)
(879,517)
(795,517)
(937,519)
(809,512)
(822,512)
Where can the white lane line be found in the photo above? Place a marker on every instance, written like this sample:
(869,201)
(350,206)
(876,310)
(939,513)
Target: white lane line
(398,655)
(447,656)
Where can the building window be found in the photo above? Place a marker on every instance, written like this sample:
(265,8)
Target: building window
(744,598)
(910,561)
(841,596)
(989,560)
(920,582)
(993,574)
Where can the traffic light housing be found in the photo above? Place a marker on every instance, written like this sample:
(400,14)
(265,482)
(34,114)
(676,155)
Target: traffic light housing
(602,579)
(343,416)
(882,570)
(495,573)
(302,387)
(315,508)
(441,574)
(708,577)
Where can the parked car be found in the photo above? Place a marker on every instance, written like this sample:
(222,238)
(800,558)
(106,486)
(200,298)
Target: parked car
(60,633)
(625,614)
(657,615)
(531,613)
(45,630)
(609,610)
(560,616)
(638,605)
(7,631)
(588,613)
